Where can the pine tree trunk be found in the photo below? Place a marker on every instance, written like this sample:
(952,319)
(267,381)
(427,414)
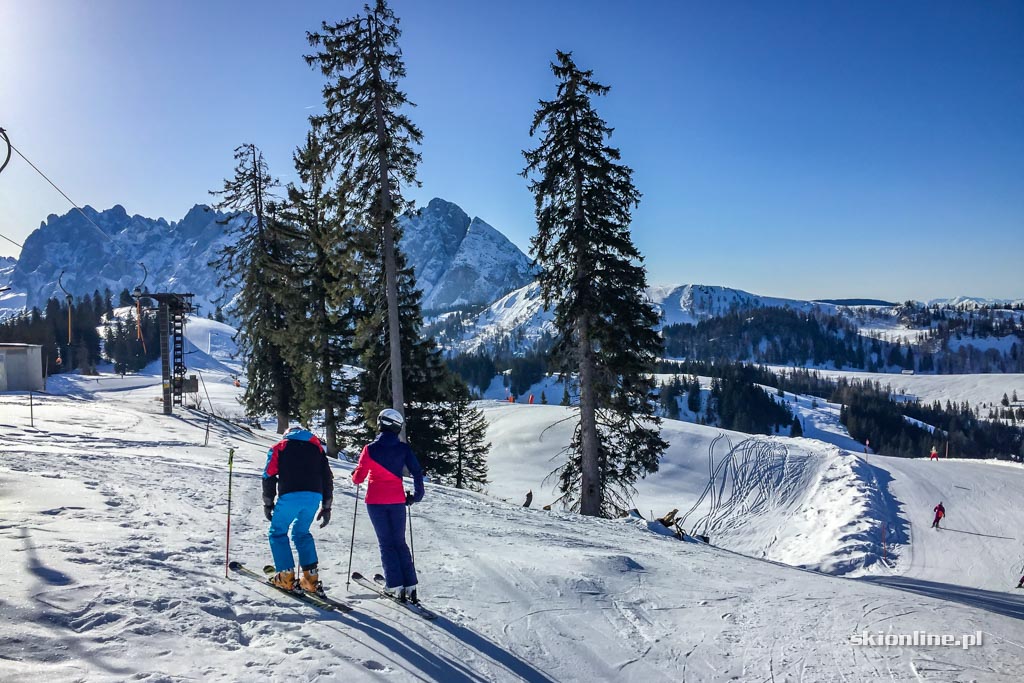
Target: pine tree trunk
(590,494)
(327,379)
(590,482)
(390,264)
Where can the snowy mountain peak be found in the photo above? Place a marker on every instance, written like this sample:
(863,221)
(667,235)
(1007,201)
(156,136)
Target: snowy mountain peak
(458,260)
(104,252)
(696,302)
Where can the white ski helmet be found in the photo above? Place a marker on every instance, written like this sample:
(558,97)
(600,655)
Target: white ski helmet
(390,420)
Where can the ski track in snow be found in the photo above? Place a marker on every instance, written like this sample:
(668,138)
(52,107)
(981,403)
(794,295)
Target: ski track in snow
(113,521)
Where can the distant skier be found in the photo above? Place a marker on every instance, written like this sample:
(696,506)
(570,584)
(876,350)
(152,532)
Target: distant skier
(298,476)
(934,455)
(381,465)
(940,512)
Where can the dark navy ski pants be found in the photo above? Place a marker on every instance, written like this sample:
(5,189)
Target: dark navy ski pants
(389,525)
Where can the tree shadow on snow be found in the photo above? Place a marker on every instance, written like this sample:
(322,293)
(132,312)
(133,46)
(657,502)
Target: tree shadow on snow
(57,621)
(1006,604)
(975,533)
(431,660)
(493,651)
(888,508)
(421,660)
(35,567)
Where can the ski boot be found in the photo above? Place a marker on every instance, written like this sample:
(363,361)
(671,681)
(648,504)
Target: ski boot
(285,580)
(410,595)
(310,581)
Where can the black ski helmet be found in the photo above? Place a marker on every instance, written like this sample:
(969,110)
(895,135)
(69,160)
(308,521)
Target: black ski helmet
(390,420)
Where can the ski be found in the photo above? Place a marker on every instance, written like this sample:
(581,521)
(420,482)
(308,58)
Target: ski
(413,607)
(269,570)
(308,598)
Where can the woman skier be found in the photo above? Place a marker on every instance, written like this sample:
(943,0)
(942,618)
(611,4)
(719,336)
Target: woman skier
(382,464)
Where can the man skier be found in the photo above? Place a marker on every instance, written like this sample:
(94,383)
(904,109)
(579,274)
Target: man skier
(381,464)
(934,455)
(298,475)
(940,512)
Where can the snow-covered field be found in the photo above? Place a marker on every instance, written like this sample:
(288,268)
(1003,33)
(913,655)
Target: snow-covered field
(112,520)
(975,389)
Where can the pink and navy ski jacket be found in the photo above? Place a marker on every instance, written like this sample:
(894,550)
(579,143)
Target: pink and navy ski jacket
(298,463)
(381,465)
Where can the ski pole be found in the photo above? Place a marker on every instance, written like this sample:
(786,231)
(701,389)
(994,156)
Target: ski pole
(352,543)
(227,544)
(412,546)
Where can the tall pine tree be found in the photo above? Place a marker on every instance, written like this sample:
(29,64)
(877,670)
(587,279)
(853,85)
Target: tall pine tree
(373,142)
(593,278)
(256,254)
(318,338)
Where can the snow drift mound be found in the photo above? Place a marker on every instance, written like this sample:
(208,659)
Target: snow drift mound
(797,501)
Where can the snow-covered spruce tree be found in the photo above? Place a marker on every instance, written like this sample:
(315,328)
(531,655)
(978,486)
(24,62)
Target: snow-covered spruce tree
(465,437)
(593,278)
(255,254)
(372,141)
(318,295)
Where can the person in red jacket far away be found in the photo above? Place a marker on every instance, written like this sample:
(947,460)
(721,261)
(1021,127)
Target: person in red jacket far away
(934,455)
(940,512)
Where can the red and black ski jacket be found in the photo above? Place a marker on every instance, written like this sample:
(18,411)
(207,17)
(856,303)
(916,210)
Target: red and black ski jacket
(298,463)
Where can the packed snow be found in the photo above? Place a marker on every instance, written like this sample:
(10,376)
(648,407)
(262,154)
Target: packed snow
(114,517)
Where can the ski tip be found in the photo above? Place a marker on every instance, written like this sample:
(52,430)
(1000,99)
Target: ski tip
(357,576)
(235,564)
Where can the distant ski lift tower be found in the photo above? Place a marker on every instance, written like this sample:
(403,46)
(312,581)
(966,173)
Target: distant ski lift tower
(171,317)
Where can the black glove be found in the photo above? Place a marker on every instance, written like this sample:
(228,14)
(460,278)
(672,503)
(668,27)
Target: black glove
(409,498)
(324,514)
(268,512)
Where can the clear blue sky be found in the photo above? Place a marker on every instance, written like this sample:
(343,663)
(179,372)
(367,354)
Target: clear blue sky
(812,149)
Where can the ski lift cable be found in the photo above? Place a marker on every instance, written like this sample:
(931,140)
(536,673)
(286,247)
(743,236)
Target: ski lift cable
(54,185)
(7,159)
(62,193)
(20,246)
(10,146)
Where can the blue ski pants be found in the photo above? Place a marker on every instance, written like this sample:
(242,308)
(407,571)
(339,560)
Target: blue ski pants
(389,525)
(295,510)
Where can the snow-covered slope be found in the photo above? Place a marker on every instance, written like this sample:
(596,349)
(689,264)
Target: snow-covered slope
(693,303)
(113,527)
(978,390)
(517,321)
(11,302)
